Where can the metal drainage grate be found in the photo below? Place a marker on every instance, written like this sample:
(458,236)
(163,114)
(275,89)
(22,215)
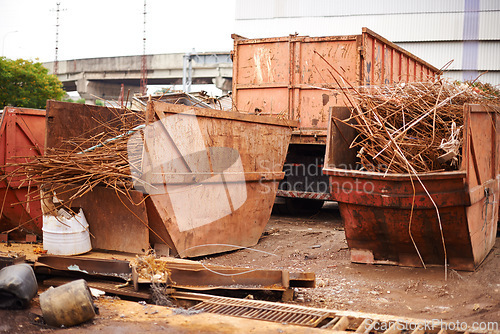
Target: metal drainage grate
(304,316)
(259,310)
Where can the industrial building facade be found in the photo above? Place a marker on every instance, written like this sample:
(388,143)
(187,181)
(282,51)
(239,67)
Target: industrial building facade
(466,32)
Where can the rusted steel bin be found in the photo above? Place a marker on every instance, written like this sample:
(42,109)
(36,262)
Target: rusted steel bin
(293,77)
(114,222)
(211,175)
(22,135)
(376,208)
(285,75)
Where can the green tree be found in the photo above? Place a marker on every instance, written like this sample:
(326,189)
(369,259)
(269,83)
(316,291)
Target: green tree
(24,83)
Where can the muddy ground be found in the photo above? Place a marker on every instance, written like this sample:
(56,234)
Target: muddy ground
(310,244)
(318,244)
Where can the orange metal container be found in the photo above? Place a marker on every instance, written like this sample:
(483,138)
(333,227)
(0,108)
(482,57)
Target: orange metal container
(211,176)
(22,135)
(286,76)
(294,78)
(376,208)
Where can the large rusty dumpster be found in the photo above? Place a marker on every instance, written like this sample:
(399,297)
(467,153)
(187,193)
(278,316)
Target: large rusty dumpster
(287,76)
(377,208)
(211,176)
(294,77)
(22,135)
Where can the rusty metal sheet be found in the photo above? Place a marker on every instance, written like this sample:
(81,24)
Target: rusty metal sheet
(71,120)
(106,286)
(481,149)
(8,259)
(183,274)
(340,136)
(87,266)
(114,222)
(213,176)
(22,135)
(198,276)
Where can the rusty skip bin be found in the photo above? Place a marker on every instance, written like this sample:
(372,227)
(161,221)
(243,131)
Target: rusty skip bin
(383,214)
(286,75)
(295,78)
(211,176)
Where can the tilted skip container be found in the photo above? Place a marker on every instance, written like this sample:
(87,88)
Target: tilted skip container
(211,176)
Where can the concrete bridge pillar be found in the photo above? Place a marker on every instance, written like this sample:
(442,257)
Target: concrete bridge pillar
(92,90)
(224,84)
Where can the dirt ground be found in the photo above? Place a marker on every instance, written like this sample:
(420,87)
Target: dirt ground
(318,244)
(308,244)
(127,317)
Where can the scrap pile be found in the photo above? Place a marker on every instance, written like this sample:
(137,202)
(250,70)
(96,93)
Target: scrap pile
(412,127)
(104,159)
(87,161)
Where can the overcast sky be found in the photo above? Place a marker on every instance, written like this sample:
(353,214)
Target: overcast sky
(102,28)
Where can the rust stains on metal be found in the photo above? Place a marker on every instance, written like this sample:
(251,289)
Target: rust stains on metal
(393,219)
(213,175)
(284,77)
(22,135)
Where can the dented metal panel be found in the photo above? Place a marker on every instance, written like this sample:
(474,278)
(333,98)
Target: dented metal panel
(211,176)
(22,135)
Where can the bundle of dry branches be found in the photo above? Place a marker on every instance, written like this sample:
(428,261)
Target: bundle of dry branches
(411,127)
(108,164)
(84,162)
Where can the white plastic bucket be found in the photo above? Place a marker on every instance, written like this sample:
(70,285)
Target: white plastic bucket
(66,236)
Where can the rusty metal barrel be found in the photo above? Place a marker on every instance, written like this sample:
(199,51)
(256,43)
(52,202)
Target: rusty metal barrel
(67,305)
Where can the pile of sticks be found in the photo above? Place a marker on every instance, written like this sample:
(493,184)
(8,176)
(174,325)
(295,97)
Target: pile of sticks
(411,127)
(84,162)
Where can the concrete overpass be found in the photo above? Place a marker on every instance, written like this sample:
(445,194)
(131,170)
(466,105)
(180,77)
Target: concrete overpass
(103,76)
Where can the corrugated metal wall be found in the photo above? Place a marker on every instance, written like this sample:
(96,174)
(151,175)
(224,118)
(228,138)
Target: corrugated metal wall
(466,31)
(397,27)
(265,9)
(442,52)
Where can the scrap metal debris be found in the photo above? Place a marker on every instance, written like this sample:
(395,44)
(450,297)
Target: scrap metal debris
(10,258)
(411,127)
(149,268)
(18,285)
